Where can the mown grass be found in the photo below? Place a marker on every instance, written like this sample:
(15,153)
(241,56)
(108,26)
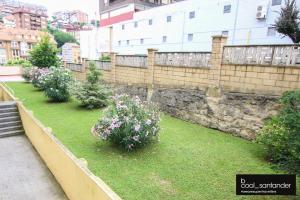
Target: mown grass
(189,162)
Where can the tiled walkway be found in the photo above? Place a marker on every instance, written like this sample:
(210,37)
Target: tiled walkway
(11,78)
(23,175)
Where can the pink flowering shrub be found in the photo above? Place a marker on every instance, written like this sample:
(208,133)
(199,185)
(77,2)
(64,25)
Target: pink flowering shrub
(28,73)
(128,123)
(38,77)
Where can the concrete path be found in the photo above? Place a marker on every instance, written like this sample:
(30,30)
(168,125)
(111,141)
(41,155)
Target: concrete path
(11,79)
(23,175)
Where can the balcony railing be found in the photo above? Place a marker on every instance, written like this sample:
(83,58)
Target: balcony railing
(278,55)
(183,59)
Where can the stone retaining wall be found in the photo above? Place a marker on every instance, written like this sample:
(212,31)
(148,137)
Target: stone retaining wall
(235,98)
(237,113)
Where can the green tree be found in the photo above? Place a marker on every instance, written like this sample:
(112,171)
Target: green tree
(44,54)
(288,22)
(61,38)
(92,93)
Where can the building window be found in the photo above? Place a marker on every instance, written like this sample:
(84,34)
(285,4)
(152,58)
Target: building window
(14,44)
(142,41)
(227,9)
(127,42)
(119,42)
(150,22)
(164,39)
(192,15)
(123,27)
(225,33)
(190,37)
(276,2)
(135,24)
(169,18)
(271,31)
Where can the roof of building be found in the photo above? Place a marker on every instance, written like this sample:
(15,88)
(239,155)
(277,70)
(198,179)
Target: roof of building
(17,34)
(71,44)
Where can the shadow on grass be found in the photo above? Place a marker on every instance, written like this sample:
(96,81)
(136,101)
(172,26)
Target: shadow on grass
(107,148)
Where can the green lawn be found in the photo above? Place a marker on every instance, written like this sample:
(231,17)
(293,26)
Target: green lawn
(189,162)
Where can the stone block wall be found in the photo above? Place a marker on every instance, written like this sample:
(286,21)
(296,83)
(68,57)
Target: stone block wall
(271,80)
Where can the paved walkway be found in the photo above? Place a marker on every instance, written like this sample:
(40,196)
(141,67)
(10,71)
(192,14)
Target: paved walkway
(11,78)
(23,175)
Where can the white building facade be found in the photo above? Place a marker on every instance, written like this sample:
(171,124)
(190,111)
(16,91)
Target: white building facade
(189,25)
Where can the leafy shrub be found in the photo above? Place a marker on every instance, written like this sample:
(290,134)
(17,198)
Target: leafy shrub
(19,62)
(38,77)
(128,123)
(28,73)
(105,58)
(281,135)
(44,54)
(56,84)
(92,93)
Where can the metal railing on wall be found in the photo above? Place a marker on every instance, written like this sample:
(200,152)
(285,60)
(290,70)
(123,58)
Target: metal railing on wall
(132,60)
(75,67)
(103,65)
(277,55)
(183,59)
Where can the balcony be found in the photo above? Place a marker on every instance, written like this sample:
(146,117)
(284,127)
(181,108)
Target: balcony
(118,3)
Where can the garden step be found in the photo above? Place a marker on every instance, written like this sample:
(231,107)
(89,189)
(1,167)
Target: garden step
(10,124)
(10,114)
(10,119)
(6,110)
(11,128)
(11,133)
(8,104)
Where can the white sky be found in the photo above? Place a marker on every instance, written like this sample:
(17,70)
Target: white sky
(87,6)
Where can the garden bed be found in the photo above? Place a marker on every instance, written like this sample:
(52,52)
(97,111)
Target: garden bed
(189,162)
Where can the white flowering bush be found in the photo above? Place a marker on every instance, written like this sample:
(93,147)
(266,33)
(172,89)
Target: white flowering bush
(28,73)
(57,84)
(38,77)
(128,123)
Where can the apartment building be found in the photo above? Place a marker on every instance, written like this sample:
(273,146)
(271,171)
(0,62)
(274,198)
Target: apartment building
(71,53)
(115,11)
(30,19)
(69,17)
(16,43)
(188,26)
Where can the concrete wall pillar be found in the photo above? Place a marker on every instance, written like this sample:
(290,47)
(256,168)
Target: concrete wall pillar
(218,42)
(113,58)
(150,75)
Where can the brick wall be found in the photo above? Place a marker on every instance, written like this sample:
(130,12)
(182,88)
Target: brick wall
(256,79)
(234,98)
(259,79)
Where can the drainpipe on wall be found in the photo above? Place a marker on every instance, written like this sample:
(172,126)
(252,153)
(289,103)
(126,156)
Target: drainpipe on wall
(182,40)
(235,21)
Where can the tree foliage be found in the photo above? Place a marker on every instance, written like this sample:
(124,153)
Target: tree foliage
(288,22)
(61,37)
(44,54)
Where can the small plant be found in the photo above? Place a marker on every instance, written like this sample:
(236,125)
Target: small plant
(281,134)
(128,123)
(38,77)
(92,93)
(57,83)
(105,58)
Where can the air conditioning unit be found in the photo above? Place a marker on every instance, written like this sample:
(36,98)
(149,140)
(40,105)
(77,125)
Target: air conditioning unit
(262,11)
